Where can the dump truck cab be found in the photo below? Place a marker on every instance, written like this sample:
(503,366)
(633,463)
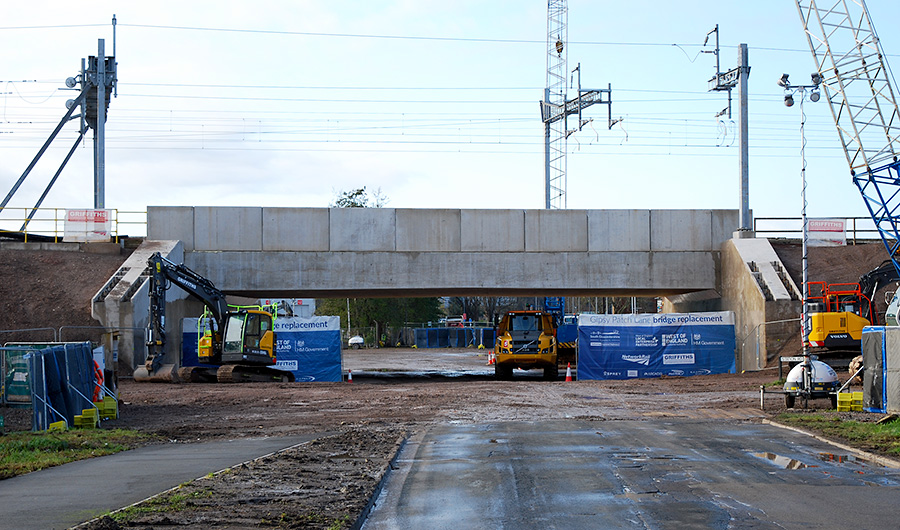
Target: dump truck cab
(526,340)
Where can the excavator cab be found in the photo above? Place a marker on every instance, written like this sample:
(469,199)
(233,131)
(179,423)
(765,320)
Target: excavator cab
(249,338)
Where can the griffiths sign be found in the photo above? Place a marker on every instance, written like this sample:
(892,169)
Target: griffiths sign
(653,345)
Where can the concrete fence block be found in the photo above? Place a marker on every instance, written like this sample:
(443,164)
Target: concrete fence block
(362,229)
(421,230)
(295,229)
(556,231)
(492,230)
(681,230)
(171,223)
(723,224)
(619,230)
(227,228)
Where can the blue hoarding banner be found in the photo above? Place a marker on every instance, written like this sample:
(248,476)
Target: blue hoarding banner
(309,347)
(653,345)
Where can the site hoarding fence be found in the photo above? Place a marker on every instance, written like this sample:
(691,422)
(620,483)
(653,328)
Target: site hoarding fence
(454,338)
(630,346)
(60,379)
(881,378)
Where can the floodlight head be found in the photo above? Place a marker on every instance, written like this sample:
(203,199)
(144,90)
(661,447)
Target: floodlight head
(814,96)
(783,82)
(816,78)
(788,100)
(70,82)
(70,103)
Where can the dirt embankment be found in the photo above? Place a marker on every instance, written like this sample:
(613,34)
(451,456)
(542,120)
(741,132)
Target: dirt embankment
(833,264)
(51,289)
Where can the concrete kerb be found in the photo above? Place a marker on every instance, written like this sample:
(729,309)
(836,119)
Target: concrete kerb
(878,459)
(384,474)
(209,475)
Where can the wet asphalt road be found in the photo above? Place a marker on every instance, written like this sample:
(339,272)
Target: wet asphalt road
(660,474)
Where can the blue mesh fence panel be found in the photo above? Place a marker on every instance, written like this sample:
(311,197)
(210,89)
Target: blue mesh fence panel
(443,338)
(421,338)
(454,337)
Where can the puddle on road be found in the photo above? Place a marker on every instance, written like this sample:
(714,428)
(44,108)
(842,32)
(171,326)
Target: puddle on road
(782,461)
(847,459)
(639,495)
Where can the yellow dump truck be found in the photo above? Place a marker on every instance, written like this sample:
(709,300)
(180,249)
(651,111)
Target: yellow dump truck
(526,340)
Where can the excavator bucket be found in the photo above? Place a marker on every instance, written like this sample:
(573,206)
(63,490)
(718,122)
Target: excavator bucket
(166,373)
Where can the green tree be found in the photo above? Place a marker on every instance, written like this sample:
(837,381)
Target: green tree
(359,198)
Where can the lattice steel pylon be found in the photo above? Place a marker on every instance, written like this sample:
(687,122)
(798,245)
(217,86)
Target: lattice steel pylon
(555,94)
(856,81)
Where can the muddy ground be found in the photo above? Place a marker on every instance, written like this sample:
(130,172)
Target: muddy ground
(331,480)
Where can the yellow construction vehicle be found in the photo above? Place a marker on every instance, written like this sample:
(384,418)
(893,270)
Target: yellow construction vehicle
(238,345)
(526,340)
(839,311)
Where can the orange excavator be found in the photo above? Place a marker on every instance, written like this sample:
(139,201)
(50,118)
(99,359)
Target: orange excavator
(838,312)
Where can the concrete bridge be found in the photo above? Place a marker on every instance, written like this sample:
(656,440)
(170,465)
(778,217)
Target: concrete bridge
(321,252)
(263,252)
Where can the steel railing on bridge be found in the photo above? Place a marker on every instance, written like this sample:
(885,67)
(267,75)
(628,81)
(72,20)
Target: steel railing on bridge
(859,229)
(48,224)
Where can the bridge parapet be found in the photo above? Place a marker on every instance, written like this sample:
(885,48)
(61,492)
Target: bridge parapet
(440,230)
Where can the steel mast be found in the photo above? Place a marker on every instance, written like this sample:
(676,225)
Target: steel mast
(555,94)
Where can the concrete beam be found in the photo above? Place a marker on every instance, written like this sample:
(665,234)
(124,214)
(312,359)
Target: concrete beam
(390,274)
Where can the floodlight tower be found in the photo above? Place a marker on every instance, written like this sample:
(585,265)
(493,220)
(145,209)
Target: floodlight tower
(555,94)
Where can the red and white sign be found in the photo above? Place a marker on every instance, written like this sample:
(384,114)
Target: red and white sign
(87,225)
(826,232)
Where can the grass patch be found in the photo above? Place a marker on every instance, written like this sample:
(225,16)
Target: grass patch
(24,452)
(172,502)
(884,438)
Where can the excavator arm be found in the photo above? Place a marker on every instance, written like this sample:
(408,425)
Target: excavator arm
(163,273)
(874,280)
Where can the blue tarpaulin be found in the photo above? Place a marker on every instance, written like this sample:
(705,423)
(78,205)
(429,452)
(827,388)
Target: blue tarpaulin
(653,345)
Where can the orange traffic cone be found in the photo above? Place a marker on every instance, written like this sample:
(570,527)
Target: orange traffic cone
(490,358)
(349,376)
(569,372)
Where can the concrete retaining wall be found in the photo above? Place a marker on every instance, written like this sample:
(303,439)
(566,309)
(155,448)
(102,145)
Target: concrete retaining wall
(762,299)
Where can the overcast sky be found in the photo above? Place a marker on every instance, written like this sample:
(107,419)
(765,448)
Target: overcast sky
(286,103)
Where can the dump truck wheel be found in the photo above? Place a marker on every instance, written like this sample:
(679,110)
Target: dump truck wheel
(503,372)
(551,374)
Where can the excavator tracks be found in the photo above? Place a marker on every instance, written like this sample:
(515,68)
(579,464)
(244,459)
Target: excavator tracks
(236,373)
